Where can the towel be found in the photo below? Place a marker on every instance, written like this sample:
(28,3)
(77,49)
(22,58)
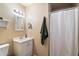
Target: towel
(44,31)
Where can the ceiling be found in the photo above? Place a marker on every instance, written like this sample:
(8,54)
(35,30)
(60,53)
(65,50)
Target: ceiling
(26,4)
(58,6)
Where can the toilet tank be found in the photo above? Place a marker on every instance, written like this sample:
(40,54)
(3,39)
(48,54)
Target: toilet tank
(4,48)
(23,47)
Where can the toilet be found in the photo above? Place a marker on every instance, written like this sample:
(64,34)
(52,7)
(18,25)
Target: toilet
(23,46)
(4,48)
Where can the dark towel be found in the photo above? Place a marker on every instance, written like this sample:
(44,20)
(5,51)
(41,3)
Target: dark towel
(44,31)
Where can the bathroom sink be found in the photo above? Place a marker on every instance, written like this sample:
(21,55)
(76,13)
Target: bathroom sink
(21,40)
(23,46)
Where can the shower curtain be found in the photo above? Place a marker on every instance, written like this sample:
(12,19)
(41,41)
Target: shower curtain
(64,32)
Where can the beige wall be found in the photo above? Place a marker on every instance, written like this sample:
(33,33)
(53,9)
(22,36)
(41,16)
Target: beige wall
(78,30)
(7,34)
(34,15)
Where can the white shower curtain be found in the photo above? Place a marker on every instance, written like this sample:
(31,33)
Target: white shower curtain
(63,33)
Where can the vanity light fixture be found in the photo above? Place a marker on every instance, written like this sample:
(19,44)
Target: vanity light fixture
(17,13)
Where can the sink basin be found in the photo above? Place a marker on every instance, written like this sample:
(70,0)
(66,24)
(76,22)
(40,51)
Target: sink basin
(21,40)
